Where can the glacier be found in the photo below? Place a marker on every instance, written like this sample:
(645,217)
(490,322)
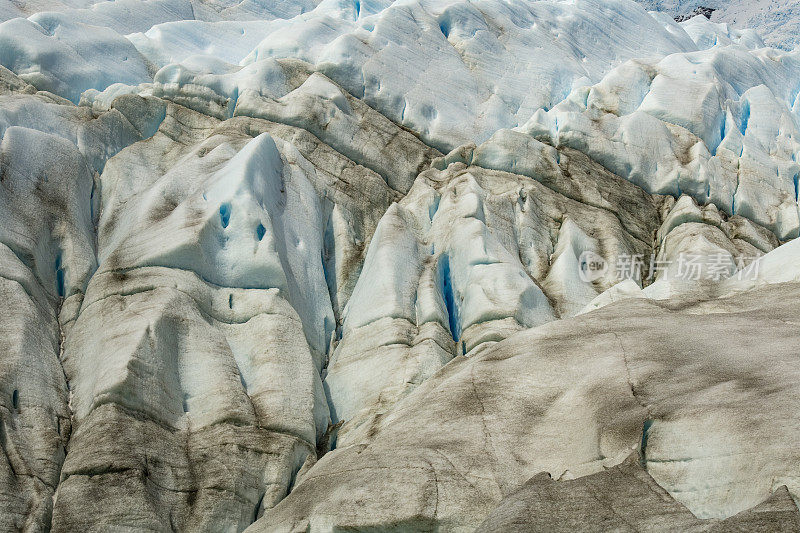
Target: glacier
(357,265)
(775,20)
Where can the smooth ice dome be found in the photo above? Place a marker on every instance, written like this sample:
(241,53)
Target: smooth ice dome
(406,265)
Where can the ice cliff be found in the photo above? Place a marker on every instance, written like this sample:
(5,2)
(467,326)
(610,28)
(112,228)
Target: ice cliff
(356,266)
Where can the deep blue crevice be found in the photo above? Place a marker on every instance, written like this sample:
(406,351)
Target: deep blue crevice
(225,214)
(15,399)
(60,283)
(745,117)
(91,203)
(434,207)
(796,190)
(258,508)
(328,260)
(261,231)
(714,146)
(645,435)
(449,296)
(357,6)
(230,301)
(444,26)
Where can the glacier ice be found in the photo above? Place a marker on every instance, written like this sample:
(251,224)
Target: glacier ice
(775,21)
(318,266)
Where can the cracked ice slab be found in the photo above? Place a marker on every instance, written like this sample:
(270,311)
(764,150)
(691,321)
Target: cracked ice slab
(473,433)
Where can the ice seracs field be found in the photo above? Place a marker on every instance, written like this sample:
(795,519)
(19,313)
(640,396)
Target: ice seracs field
(412,265)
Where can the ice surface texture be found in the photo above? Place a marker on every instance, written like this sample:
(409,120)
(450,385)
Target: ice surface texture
(317,266)
(776,20)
